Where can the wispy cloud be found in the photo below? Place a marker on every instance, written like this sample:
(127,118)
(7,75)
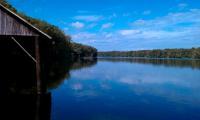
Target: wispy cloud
(88,18)
(77,25)
(175,30)
(77,86)
(107,25)
(181,25)
(129,32)
(172,19)
(84,37)
(182,6)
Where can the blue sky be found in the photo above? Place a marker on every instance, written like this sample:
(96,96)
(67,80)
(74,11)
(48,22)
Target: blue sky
(121,24)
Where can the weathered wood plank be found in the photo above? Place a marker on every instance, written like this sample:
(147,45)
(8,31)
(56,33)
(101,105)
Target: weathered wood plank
(11,26)
(37,54)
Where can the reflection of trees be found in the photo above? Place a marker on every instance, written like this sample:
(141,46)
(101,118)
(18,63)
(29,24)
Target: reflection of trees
(54,74)
(17,70)
(17,80)
(164,62)
(83,63)
(61,71)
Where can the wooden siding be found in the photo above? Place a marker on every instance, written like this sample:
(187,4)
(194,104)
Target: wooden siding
(9,25)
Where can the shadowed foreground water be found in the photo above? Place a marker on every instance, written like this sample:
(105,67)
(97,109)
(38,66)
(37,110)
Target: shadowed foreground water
(130,89)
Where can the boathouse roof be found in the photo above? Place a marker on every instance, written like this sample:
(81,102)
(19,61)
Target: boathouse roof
(12,24)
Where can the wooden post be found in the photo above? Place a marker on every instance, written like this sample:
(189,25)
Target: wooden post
(37,56)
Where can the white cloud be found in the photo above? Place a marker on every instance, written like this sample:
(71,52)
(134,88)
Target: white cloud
(77,25)
(88,18)
(84,37)
(129,32)
(182,5)
(170,20)
(77,86)
(134,39)
(108,35)
(107,25)
(148,35)
(175,30)
(147,12)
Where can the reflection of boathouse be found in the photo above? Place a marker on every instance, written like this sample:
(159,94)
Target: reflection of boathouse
(19,48)
(26,107)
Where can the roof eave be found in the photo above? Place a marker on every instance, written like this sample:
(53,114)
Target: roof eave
(26,22)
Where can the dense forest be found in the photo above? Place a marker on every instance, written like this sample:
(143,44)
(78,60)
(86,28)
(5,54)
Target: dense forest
(80,51)
(193,53)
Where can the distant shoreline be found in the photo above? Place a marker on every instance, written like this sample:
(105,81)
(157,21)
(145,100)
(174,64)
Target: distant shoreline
(183,54)
(117,57)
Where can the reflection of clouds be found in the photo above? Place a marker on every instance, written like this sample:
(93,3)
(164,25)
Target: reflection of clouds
(83,74)
(86,93)
(129,80)
(83,93)
(77,86)
(140,74)
(105,86)
(169,93)
(159,79)
(95,73)
(83,90)
(171,83)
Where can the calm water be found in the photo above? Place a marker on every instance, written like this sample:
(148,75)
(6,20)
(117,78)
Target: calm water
(129,89)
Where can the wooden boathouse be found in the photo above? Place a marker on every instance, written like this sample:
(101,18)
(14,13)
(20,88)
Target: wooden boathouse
(16,34)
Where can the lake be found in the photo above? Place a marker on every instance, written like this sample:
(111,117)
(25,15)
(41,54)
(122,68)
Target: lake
(129,89)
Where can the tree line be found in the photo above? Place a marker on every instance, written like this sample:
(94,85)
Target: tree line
(80,51)
(193,53)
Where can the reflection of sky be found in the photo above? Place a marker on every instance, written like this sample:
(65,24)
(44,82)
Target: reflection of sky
(146,79)
(128,84)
